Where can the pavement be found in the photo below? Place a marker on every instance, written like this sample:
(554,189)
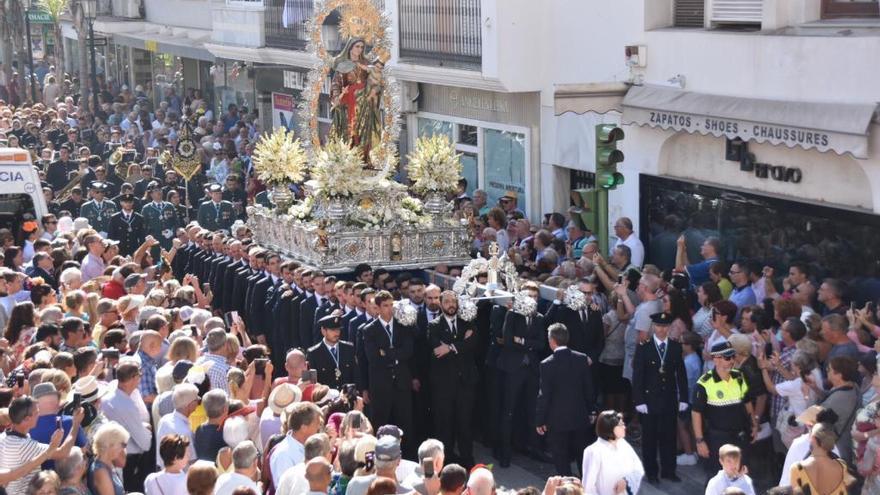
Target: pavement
(525,471)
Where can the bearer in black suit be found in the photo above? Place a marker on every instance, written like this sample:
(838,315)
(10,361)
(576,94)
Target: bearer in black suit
(307,309)
(389,347)
(333,358)
(525,340)
(565,400)
(453,378)
(585,329)
(660,392)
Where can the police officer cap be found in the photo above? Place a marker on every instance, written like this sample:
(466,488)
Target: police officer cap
(215,188)
(331,321)
(123,198)
(152,186)
(663,318)
(99,186)
(722,349)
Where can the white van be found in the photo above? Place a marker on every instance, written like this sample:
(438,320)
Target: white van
(20,189)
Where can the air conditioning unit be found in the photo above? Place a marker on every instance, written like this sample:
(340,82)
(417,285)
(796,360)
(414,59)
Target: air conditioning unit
(737,11)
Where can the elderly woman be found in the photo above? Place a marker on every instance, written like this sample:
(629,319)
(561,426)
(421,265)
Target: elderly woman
(44,483)
(174,451)
(201,478)
(71,470)
(109,446)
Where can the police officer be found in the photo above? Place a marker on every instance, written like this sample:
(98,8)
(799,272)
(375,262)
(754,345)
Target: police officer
(160,219)
(127,226)
(216,214)
(722,412)
(331,357)
(660,392)
(98,210)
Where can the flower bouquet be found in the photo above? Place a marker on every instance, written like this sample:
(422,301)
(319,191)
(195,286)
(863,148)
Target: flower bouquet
(338,170)
(434,166)
(280,160)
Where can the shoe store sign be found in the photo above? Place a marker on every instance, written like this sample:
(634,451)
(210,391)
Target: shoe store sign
(737,150)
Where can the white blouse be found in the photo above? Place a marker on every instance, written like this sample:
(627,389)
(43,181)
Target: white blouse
(606,463)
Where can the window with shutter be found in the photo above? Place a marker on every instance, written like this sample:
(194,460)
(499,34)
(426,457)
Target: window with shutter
(849,8)
(737,11)
(689,13)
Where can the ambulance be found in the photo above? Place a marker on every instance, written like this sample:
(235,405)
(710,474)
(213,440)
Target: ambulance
(20,190)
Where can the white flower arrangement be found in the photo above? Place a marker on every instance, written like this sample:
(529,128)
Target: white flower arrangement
(279,158)
(405,312)
(574,298)
(338,170)
(434,166)
(467,308)
(302,211)
(524,304)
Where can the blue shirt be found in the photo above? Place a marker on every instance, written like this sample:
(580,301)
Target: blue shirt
(693,367)
(699,272)
(45,427)
(149,365)
(743,296)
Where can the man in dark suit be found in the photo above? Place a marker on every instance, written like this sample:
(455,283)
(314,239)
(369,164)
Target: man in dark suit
(237,251)
(242,275)
(453,379)
(585,329)
(258,272)
(58,172)
(333,358)
(420,364)
(565,400)
(331,303)
(42,266)
(218,275)
(659,392)
(307,309)
(259,313)
(525,340)
(127,226)
(388,345)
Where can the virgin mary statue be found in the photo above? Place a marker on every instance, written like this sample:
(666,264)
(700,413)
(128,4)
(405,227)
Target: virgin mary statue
(355,93)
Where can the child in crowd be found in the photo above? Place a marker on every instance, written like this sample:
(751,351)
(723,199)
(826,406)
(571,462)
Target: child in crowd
(732,475)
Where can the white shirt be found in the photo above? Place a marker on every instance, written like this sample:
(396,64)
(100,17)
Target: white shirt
(604,464)
(760,289)
(163,483)
(171,424)
(721,482)
(92,266)
(228,482)
(293,481)
(636,248)
(287,454)
(269,425)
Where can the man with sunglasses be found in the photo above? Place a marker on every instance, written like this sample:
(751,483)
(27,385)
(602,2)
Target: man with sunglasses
(721,411)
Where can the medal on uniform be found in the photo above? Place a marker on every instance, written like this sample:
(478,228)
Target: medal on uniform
(662,355)
(338,374)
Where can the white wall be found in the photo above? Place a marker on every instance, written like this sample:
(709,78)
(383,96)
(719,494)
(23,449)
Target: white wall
(181,13)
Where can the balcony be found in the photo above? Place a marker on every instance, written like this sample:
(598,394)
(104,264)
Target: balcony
(441,32)
(286,22)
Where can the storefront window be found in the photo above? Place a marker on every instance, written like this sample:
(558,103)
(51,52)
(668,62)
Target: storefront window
(429,127)
(233,85)
(775,232)
(505,162)
(167,73)
(470,171)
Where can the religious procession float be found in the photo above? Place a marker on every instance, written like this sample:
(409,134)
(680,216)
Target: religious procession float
(353,209)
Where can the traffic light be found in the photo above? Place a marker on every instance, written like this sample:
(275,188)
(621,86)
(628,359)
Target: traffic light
(608,156)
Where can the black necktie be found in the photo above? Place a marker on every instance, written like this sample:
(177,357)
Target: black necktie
(583,315)
(662,348)
(453,328)
(335,353)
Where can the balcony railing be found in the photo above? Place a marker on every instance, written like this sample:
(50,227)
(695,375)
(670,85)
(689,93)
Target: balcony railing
(286,25)
(441,30)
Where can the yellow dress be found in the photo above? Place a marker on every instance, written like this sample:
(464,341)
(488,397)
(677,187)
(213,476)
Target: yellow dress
(801,480)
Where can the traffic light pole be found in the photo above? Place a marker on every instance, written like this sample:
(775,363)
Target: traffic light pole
(602,220)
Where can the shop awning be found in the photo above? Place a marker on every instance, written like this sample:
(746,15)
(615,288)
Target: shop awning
(188,43)
(839,127)
(593,97)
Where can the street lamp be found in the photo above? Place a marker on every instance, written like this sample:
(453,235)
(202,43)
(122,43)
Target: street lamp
(90,11)
(30,47)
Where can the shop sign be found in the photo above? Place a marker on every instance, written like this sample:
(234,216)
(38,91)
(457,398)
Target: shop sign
(151,45)
(39,17)
(283,108)
(737,150)
(488,103)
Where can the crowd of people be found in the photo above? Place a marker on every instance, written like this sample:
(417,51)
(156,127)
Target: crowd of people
(150,345)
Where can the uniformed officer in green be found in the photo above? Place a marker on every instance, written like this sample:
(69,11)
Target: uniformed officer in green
(721,411)
(216,214)
(98,210)
(160,219)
